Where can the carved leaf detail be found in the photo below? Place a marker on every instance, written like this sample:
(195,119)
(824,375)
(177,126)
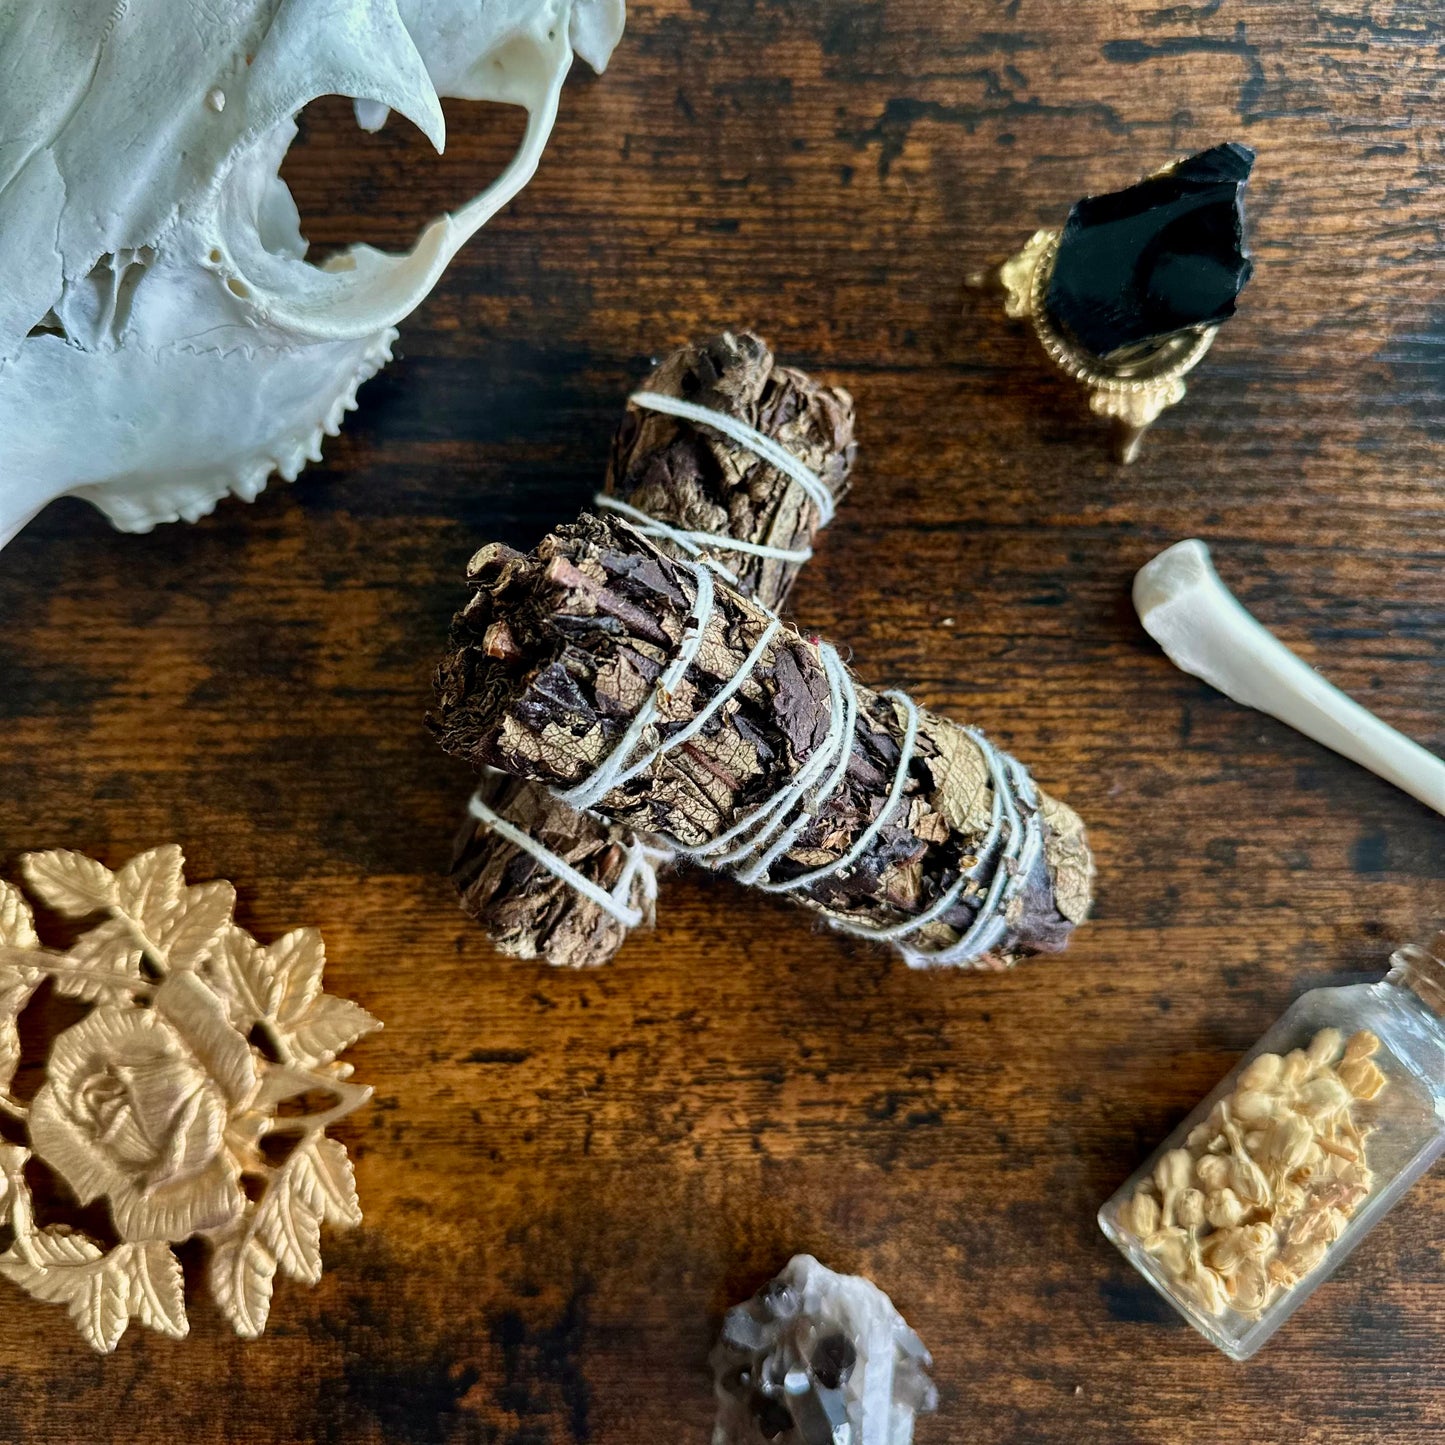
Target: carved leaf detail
(243,973)
(70,883)
(327,1027)
(196,925)
(157,1290)
(16,986)
(286,978)
(290,1226)
(17,930)
(110,947)
(56,1274)
(71,1269)
(282,985)
(101,1311)
(323,1170)
(12,1161)
(241,1274)
(150,888)
(297,959)
(9,1050)
(17,922)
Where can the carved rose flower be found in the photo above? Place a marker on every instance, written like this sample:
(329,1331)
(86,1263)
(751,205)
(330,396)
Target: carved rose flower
(136,1108)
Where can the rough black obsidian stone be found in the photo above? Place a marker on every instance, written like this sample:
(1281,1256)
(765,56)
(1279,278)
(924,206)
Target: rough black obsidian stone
(1168,254)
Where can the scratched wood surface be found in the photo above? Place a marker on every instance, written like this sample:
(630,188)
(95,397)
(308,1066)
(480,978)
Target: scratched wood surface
(567,1178)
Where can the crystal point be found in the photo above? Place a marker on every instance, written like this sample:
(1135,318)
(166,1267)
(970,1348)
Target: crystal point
(1166,255)
(836,1366)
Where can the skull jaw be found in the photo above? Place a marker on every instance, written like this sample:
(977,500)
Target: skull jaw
(212,425)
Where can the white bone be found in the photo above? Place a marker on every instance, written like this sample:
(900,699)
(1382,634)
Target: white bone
(163,338)
(1206,632)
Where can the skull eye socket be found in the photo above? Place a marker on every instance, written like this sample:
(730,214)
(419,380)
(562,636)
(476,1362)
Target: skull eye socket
(382,188)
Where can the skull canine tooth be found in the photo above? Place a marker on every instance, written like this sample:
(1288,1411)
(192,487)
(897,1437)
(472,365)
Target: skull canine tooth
(1206,632)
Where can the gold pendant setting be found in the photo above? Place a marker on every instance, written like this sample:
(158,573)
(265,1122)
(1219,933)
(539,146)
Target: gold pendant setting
(1131,390)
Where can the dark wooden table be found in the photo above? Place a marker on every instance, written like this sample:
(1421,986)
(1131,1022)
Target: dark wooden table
(567,1178)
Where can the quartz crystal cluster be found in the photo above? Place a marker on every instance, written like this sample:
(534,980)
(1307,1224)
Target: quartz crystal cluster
(1166,255)
(817,1358)
(1268,1182)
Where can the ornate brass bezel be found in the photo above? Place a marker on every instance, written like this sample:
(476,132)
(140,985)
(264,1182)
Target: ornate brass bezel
(1133,392)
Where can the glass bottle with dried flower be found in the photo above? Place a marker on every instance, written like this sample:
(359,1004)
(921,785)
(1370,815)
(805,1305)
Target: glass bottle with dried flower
(1260,1193)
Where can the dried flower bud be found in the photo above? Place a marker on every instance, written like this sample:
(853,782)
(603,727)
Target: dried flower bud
(1250,1286)
(1224,1209)
(1289,1201)
(1362,1078)
(1318,1223)
(1363,1045)
(1207,1134)
(1212,1171)
(1259,1239)
(1253,1106)
(1282,1150)
(1296,1069)
(1325,1048)
(1171,1249)
(1225,1250)
(1248,1181)
(1174,1171)
(1189,1210)
(1206,1288)
(1140,1216)
(1287,1144)
(1322,1097)
(1302,1257)
(1261,1073)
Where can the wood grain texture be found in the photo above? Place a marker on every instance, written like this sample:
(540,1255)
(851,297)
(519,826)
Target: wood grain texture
(567,1178)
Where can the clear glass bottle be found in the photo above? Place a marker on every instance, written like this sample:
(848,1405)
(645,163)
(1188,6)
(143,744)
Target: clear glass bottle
(1312,1136)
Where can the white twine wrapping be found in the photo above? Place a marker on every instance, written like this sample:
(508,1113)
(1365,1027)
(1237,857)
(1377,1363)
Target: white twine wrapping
(695,543)
(749,848)
(750,438)
(645,857)
(643,861)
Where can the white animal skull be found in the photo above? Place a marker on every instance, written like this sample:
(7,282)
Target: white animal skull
(163,340)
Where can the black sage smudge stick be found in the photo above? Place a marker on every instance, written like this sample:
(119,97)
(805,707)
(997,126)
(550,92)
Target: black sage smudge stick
(704,484)
(669,702)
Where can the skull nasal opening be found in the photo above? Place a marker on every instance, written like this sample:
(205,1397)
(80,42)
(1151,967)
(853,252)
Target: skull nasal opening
(384,187)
